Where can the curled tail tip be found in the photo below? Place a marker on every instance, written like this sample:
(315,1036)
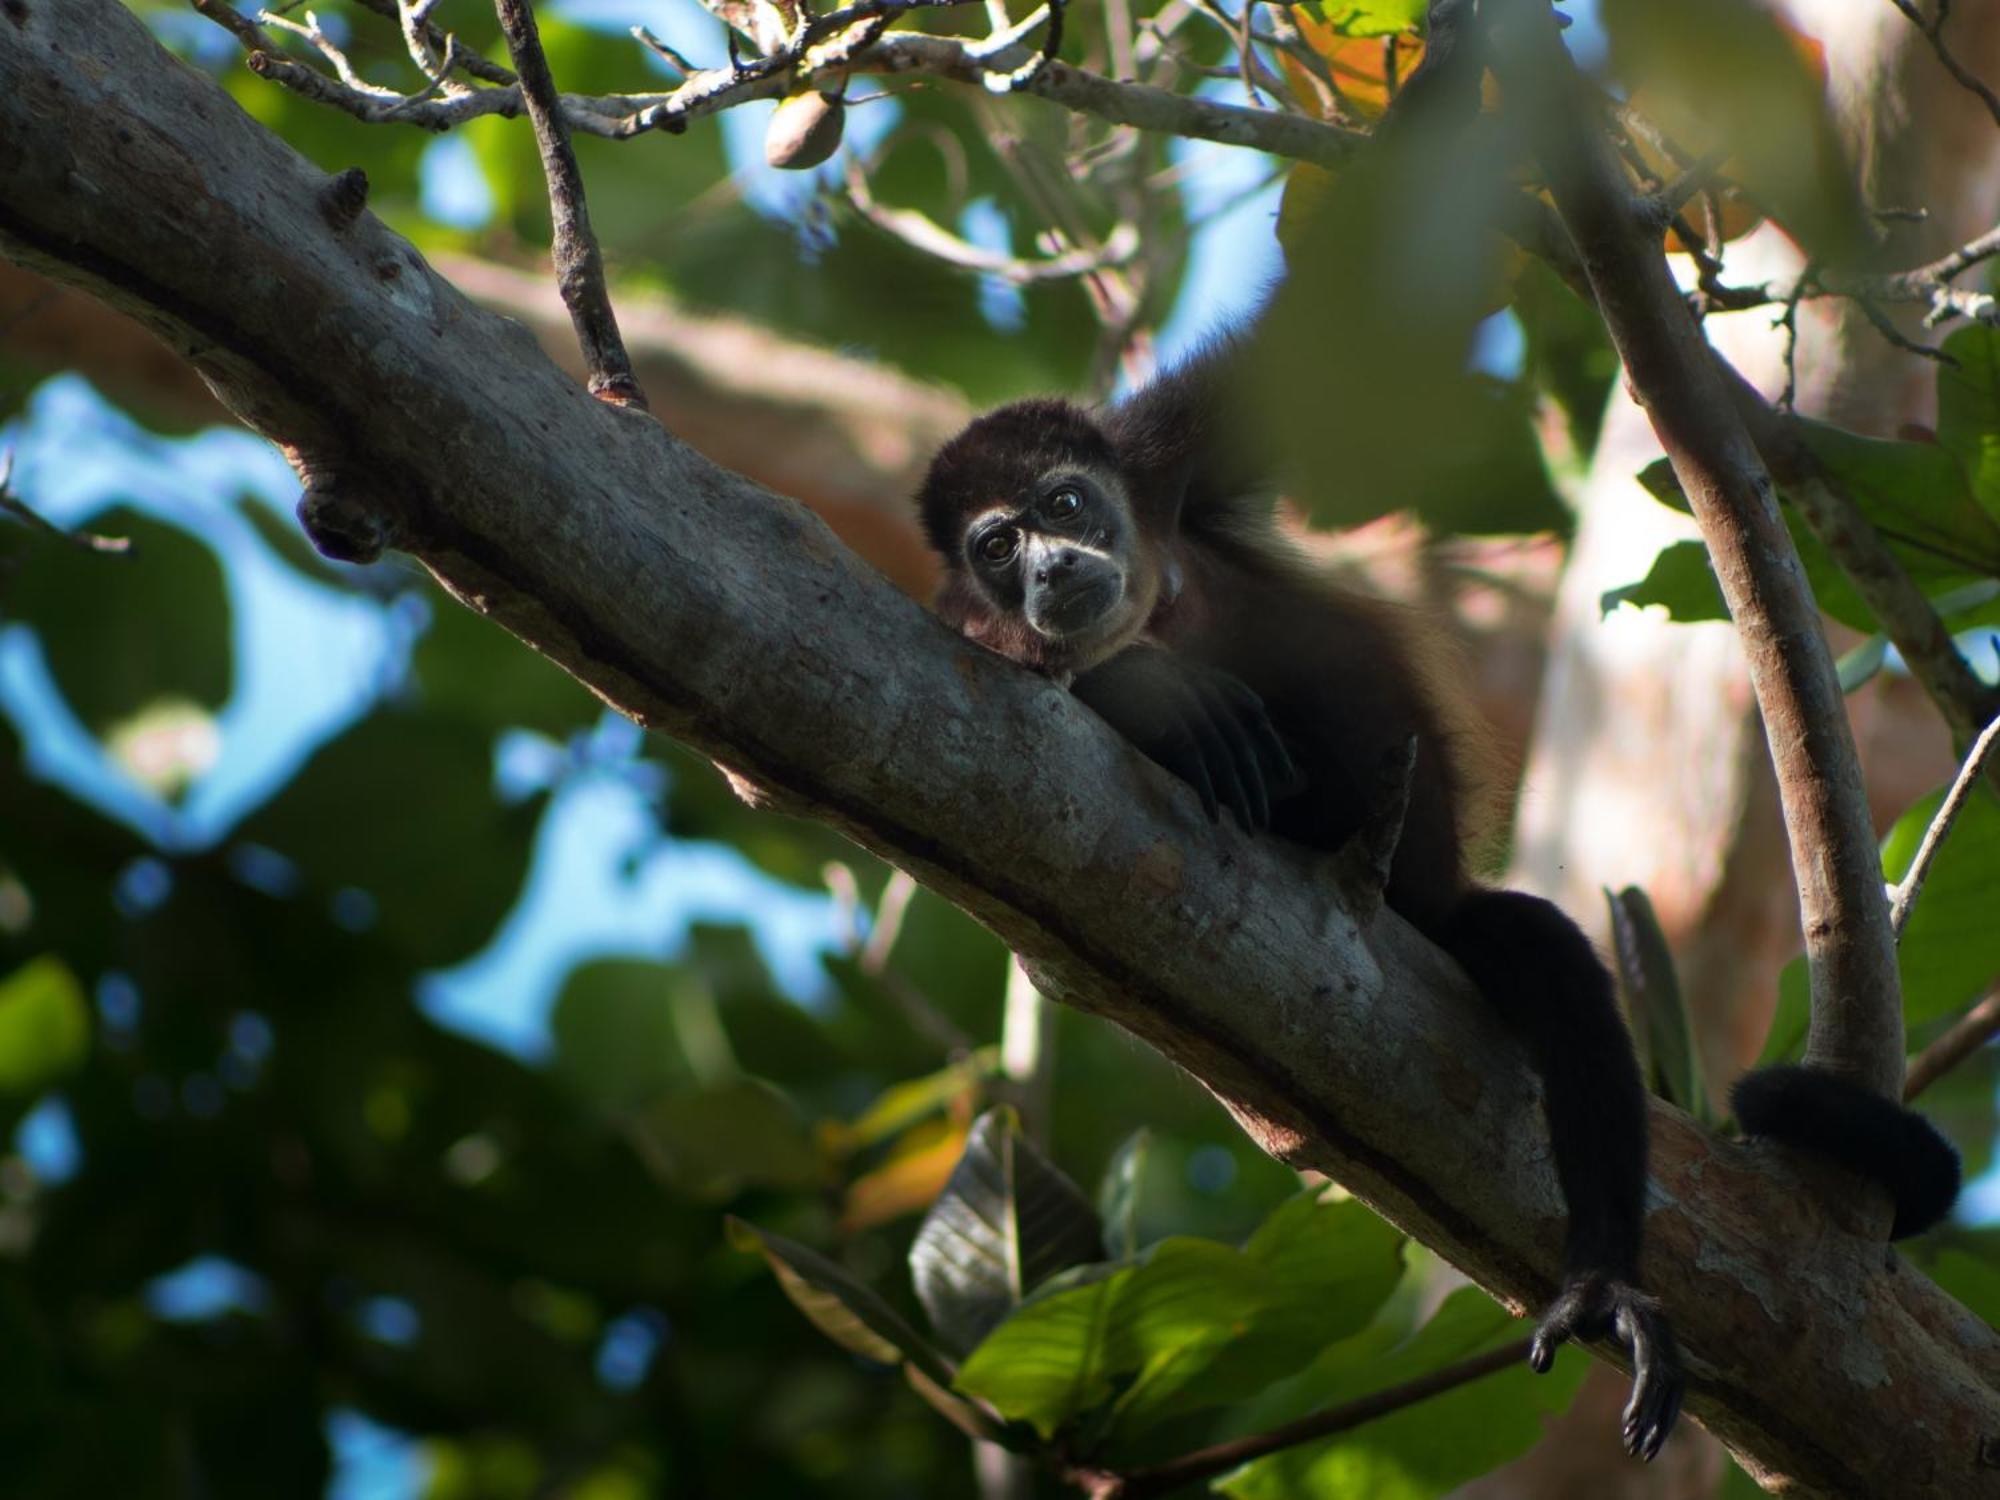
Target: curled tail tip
(1893,1146)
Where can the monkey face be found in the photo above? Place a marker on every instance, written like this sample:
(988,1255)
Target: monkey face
(1061,559)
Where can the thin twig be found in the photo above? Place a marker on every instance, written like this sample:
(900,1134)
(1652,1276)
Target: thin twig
(87,541)
(1967,1035)
(923,233)
(1906,891)
(1933,30)
(579,263)
(470,62)
(1857,1022)
(1205,1463)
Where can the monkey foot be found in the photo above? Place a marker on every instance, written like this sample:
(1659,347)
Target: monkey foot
(1592,1305)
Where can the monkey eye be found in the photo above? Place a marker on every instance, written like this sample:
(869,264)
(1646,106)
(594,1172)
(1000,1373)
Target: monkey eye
(997,546)
(1064,503)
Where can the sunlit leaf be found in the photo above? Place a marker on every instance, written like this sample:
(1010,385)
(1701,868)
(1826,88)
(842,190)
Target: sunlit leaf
(1190,1323)
(1680,580)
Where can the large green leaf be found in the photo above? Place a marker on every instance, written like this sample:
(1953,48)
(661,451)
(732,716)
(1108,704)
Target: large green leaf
(121,631)
(1005,1223)
(1428,1449)
(1918,498)
(1680,580)
(1191,1323)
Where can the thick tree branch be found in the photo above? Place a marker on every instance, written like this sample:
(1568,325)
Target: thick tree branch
(1857,1021)
(715,612)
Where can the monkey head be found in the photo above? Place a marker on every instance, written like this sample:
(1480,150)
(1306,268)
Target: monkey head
(1044,557)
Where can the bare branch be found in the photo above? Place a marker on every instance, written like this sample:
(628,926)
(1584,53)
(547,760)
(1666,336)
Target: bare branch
(922,233)
(1933,31)
(1206,1463)
(1907,617)
(434,40)
(1967,1035)
(11,504)
(1857,1029)
(1912,884)
(579,263)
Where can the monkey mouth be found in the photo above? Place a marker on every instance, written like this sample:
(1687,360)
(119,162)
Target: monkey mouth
(1059,612)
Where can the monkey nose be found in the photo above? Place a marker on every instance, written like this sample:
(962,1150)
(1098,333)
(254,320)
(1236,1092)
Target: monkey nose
(1060,562)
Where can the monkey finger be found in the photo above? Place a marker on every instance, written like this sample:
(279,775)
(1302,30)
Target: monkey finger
(1242,752)
(1272,753)
(1216,755)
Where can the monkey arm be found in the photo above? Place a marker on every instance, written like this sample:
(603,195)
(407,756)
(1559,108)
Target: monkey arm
(1200,723)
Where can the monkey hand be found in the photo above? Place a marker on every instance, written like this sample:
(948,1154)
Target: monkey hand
(1594,1305)
(1199,722)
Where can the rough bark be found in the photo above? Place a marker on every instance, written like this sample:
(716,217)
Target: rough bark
(731,619)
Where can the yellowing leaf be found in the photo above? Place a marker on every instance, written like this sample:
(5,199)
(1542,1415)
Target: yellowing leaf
(44,1025)
(909,1181)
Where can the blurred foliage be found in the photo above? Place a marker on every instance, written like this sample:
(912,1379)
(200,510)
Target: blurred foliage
(445,1238)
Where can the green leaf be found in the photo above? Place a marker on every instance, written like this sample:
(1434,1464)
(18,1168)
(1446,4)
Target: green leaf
(121,631)
(903,1104)
(616,1042)
(1652,993)
(1972,1279)
(1856,667)
(713,1142)
(401,807)
(1681,580)
(854,1316)
(1373,17)
(1950,950)
(1191,1323)
(1917,496)
(1968,419)
(1431,1448)
(1118,1195)
(1661,482)
(44,1025)
(1005,1222)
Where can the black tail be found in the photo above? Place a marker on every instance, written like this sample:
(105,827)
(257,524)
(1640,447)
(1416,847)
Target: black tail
(1541,973)
(1884,1142)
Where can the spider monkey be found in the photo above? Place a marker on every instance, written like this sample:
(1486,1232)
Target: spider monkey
(1133,553)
